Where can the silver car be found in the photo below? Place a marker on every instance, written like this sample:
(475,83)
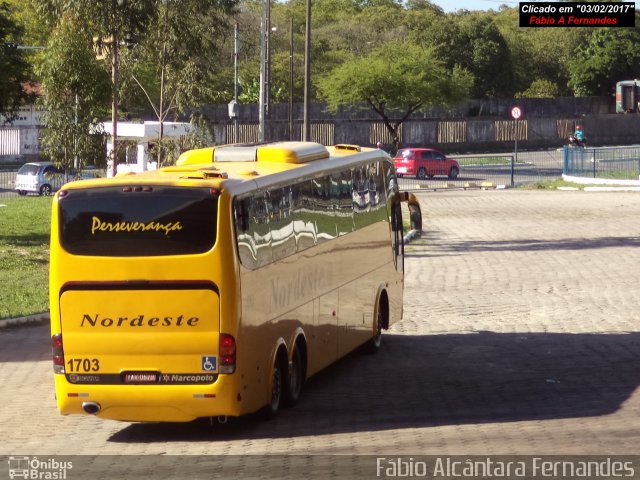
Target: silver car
(44,178)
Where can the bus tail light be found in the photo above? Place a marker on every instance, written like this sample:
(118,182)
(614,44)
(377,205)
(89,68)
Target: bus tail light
(227,353)
(57,353)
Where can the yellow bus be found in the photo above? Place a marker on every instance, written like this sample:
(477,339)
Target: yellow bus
(216,287)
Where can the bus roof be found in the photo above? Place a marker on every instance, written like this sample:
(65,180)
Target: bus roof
(245,167)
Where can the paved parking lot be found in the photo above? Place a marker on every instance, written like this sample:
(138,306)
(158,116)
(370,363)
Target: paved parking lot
(521,336)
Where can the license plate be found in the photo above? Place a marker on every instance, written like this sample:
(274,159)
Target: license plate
(402,169)
(141,377)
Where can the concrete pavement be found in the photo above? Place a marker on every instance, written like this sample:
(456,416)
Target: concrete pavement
(521,335)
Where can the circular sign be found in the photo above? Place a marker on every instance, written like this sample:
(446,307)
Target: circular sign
(516,113)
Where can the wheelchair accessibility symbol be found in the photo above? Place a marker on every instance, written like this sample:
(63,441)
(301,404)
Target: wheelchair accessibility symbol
(208,364)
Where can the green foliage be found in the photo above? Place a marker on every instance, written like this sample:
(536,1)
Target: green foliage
(484,53)
(397,78)
(166,68)
(173,62)
(13,67)
(182,54)
(76,92)
(36,31)
(24,255)
(607,56)
(540,89)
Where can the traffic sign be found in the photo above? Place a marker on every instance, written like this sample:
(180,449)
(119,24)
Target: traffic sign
(516,113)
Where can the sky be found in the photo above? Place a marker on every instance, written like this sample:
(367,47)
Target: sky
(453,5)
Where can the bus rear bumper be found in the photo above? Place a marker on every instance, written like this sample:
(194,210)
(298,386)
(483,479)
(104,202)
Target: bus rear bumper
(149,403)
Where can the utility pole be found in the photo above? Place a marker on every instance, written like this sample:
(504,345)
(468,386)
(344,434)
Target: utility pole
(235,80)
(306,129)
(114,81)
(291,79)
(261,101)
(267,76)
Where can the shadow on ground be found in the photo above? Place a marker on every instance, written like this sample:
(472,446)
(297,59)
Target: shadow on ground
(435,380)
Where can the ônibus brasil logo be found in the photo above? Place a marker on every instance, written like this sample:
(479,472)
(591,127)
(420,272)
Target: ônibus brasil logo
(35,468)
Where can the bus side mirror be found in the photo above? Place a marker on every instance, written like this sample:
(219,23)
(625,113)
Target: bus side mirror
(415,213)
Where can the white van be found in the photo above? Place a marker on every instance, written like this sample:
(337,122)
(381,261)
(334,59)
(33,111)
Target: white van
(44,178)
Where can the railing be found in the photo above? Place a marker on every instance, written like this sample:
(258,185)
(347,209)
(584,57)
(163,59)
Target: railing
(7,181)
(8,178)
(494,170)
(606,163)
(619,163)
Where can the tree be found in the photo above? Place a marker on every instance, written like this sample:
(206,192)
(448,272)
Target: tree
(539,89)
(394,80)
(76,92)
(484,54)
(538,53)
(606,57)
(13,68)
(166,63)
(87,20)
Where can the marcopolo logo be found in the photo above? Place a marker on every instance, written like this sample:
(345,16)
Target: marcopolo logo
(35,468)
(140,320)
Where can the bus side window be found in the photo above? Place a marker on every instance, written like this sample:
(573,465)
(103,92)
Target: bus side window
(283,241)
(323,209)
(242,214)
(341,198)
(244,237)
(259,213)
(369,195)
(303,217)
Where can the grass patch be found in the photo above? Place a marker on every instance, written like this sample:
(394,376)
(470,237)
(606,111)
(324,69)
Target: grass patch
(484,161)
(559,182)
(24,255)
(618,175)
(551,185)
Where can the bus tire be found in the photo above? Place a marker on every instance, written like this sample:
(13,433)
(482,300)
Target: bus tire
(373,345)
(295,378)
(277,381)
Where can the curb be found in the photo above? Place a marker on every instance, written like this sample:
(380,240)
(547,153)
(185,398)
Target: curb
(28,320)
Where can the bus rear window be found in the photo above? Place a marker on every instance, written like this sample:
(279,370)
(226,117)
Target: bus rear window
(138,221)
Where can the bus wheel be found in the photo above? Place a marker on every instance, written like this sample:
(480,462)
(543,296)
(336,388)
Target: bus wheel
(373,345)
(277,376)
(293,388)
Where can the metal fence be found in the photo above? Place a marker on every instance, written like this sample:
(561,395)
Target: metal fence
(494,170)
(8,178)
(475,171)
(7,181)
(606,163)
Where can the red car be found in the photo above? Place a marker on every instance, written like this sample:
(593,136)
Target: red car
(424,163)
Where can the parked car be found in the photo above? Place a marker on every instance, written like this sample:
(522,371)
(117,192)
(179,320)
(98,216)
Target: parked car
(424,163)
(44,178)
